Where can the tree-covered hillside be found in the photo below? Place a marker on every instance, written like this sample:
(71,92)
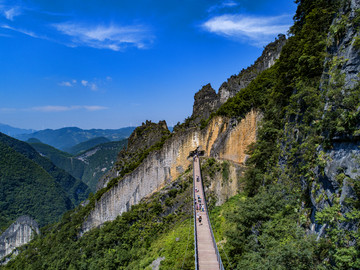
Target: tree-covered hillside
(33,185)
(88,166)
(27,189)
(83,146)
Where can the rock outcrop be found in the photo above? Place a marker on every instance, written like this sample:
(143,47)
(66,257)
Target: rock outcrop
(142,138)
(165,165)
(205,101)
(19,233)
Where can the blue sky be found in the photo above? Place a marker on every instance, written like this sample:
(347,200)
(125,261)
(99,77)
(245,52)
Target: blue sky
(110,64)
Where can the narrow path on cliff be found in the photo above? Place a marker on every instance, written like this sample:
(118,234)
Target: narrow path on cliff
(207,256)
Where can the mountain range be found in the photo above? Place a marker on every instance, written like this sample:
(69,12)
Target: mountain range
(12,131)
(66,138)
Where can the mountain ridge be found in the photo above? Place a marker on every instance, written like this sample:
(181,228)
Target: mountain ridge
(65,138)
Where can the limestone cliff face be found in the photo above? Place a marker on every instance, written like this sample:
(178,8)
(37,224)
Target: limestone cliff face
(222,138)
(18,234)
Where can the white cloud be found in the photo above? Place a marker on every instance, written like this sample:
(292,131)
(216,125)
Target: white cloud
(11,13)
(93,87)
(51,108)
(225,4)
(260,30)
(23,31)
(229,4)
(108,78)
(67,84)
(95,108)
(110,37)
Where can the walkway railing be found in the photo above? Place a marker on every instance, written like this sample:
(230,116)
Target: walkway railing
(221,266)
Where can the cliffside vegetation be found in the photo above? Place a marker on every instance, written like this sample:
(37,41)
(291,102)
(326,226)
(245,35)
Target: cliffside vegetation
(282,218)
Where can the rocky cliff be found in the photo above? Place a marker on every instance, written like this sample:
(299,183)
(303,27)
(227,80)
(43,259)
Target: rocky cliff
(237,82)
(18,234)
(206,100)
(336,182)
(141,139)
(165,165)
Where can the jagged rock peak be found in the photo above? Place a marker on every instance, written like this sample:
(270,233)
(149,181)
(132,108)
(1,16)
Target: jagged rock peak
(237,82)
(205,102)
(146,135)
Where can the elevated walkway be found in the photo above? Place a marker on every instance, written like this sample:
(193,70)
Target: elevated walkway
(207,256)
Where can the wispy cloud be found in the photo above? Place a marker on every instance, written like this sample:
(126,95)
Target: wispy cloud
(51,108)
(225,4)
(23,31)
(91,85)
(72,33)
(55,108)
(259,30)
(110,37)
(12,12)
(67,84)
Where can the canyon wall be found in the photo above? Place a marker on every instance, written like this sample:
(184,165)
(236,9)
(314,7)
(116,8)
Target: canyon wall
(223,138)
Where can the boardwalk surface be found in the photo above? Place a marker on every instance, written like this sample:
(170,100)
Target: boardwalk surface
(206,251)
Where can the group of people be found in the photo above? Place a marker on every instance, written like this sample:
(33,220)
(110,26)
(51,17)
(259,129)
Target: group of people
(199,206)
(198,203)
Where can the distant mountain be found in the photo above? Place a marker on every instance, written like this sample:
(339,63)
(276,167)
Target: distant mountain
(32,185)
(12,131)
(81,147)
(61,159)
(76,189)
(89,166)
(65,138)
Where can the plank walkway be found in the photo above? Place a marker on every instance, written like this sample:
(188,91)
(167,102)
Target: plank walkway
(206,252)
